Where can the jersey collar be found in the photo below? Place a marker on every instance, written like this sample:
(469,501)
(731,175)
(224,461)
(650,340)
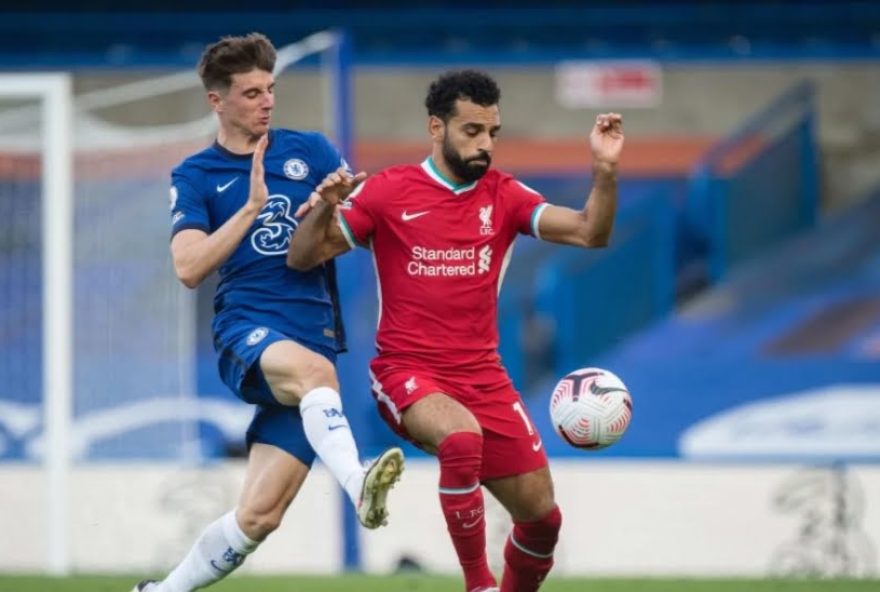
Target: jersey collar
(235,156)
(432,171)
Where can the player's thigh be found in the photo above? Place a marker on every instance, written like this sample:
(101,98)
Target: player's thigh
(528,497)
(292,370)
(272,480)
(434,417)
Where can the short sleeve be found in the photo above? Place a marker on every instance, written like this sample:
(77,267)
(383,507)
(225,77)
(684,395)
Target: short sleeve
(360,212)
(188,208)
(328,158)
(526,206)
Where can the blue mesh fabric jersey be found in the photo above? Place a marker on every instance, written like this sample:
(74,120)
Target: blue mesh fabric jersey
(256,286)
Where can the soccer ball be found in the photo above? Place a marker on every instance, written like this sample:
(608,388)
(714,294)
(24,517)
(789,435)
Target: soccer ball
(590,408)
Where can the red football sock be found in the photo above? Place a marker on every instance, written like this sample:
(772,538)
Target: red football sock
(461,455)
(528,554)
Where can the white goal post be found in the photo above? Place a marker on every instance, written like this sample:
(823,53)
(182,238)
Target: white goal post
(54,92)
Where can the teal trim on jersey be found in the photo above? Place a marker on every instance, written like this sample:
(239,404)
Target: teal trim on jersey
(536,216)
(349,235)
(435,173)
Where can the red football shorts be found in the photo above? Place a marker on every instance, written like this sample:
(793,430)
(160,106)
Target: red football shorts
(511,444)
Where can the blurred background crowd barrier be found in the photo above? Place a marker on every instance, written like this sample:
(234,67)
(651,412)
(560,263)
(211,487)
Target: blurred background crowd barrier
(738,298)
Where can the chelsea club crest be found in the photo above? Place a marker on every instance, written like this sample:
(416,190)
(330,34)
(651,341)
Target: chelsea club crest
(296,169)
(257,335)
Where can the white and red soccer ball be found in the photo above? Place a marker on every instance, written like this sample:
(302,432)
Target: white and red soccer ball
(590,408)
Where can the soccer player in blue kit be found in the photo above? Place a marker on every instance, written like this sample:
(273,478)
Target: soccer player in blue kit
(277,331)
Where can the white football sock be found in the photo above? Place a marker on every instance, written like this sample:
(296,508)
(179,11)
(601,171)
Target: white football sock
(218,552)
(328,432)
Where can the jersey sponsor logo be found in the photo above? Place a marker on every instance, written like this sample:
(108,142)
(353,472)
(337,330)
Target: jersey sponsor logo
(406,217)
(486,220)
(276,226)
(450,262)
(177,217)
(536,446)
(257,335)
(227,185)
(296,169)
(172,197)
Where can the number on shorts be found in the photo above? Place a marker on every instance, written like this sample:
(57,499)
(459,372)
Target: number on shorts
(522,413)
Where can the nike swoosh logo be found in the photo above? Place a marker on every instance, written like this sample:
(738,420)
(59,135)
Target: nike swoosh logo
(335,427)
(222,188)
(407,217)
(471,524)
(218,568)
(536,446)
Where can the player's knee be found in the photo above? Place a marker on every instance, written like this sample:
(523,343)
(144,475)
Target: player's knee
(545,528)
(462,444)
(319,371)
(438,419)
(551,523)
(539,506)
(303,377)
(461,452)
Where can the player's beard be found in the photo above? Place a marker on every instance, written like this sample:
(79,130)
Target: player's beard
(468,170)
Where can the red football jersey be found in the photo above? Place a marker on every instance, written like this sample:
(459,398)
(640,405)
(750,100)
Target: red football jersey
(440,252)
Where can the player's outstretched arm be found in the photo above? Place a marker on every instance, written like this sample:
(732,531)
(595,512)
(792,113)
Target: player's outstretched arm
(591,226)
(197,254)
(318,236)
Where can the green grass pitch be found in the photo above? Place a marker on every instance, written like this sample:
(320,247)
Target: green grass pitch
(426,583)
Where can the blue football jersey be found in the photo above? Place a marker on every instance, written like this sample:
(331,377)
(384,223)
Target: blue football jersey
(255,283)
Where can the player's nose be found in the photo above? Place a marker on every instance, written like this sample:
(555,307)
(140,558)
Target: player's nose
(486,143)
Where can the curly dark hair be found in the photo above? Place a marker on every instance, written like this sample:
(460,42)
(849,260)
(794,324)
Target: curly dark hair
(473,85)
(235,55)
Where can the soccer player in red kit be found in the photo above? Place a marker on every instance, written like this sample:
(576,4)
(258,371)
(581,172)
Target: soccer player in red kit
(442,233)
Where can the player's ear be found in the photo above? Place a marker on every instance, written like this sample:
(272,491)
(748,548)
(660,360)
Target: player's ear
(215,100)
(436,128)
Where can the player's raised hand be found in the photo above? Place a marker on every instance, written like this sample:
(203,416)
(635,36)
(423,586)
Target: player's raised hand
(606,138)
(334,189)
(259,192)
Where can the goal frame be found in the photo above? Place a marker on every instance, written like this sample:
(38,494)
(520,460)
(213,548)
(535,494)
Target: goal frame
(54,93)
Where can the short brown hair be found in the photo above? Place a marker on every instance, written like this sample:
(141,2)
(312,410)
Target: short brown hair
(235,55)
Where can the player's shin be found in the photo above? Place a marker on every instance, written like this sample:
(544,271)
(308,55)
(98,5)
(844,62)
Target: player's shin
(328,432)
(528,554)
(461,499)
(220,549)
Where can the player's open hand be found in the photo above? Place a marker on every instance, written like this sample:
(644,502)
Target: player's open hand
(606,139)
(259,192)
(334,189)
